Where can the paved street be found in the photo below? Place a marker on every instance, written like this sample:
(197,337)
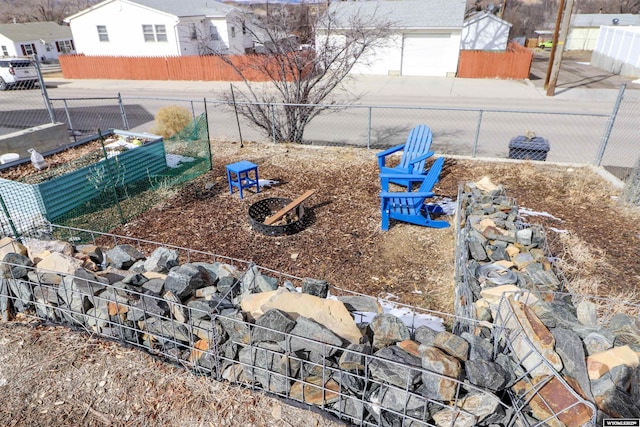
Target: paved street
(574,120)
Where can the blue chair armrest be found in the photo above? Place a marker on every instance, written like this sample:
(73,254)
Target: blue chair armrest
(406,195)
(381,155)
(425,156)
(385,178)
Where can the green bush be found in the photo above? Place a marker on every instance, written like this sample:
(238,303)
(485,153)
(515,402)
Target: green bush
(171,119)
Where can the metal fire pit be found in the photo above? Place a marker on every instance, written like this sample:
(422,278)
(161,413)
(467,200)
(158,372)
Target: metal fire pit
(259,211)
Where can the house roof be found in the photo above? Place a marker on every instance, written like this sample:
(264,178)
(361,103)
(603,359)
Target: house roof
(406,14)
(181,8)
(484,15)
(598,19)
(34,31)
(188,7)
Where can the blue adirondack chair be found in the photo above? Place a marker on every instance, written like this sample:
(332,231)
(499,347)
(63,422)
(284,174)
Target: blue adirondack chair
(415,152)
(409,206)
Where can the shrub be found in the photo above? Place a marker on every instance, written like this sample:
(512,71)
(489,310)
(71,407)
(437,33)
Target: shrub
(171,119)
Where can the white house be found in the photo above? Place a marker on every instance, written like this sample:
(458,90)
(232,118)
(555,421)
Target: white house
(485,31)
(158,28)
(425,40)
(46,40)
(585,28)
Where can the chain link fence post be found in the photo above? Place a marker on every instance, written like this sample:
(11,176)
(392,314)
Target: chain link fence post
(477,135)
(609,127)
(125,122)
(43,89)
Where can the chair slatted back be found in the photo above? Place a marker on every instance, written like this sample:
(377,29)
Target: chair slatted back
(418,143)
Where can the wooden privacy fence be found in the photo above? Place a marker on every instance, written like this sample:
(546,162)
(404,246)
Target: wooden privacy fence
(514,63)
(205,68)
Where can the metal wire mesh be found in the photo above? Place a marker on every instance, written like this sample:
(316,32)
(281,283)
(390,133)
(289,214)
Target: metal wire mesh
(213,341)
(622,153)
(535,370)
(572,137)
(22,104)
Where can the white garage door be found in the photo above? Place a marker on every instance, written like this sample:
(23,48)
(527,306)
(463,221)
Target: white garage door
(427,54)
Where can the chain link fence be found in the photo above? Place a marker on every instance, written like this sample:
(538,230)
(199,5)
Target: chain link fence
(607,140)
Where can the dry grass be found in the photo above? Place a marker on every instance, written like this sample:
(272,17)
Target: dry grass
(53,376)
(170,120)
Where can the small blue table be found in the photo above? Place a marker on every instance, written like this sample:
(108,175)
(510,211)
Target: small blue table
(238,175)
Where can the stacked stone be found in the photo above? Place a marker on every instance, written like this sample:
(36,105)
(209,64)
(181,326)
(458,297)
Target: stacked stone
(241,326)
(587,370)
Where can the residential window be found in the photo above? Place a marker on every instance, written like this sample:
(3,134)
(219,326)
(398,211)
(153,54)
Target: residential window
(65,46)
(213,31)
(103,36)
(5,52)
(28,49)
(193,31)
(233,31)
(156,33)
(161,33)
(147,31)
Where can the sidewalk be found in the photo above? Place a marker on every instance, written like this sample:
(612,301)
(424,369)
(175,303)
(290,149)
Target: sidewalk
(379,87)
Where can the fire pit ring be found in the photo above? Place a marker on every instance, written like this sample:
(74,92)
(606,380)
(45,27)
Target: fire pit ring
(260,210)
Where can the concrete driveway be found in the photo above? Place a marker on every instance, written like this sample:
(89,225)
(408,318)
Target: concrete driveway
(576,72)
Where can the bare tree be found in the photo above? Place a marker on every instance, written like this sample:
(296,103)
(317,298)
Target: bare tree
(41,10)
(300,78)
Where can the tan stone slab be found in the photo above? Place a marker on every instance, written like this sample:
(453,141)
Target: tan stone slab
(512,251)
(10,245)
(330,313)
(530,339)
(554,398)
(312,391)
(600,363)
(60,263)
(411,347)
(154,275)
(485,184)
(493,295)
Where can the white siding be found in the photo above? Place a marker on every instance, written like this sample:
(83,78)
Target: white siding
(485,33)
(124,23)
(124,27)
(11,47)
(203,43)
(582,38)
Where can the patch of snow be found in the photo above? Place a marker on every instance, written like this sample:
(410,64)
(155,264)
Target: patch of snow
(406,314)
(267,182)
(636,81)
(584,63)
(174,160)
(557,230)
(121,144)
(529,212)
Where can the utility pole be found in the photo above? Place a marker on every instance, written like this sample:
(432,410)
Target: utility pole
(555,59)
(504,6)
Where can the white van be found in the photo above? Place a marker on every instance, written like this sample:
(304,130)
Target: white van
(17,73)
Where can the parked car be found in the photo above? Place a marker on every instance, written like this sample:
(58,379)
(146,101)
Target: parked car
(17,73)
(548,44)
